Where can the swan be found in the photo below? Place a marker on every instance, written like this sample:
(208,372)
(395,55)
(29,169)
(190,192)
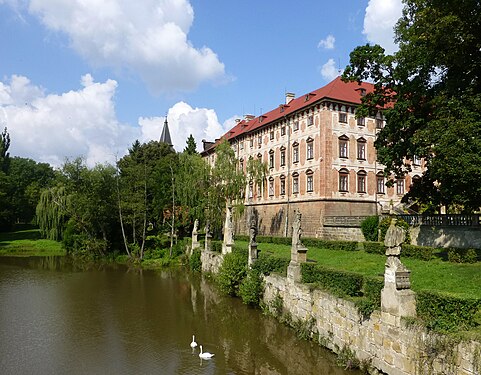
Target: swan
(193,344)
(205,355)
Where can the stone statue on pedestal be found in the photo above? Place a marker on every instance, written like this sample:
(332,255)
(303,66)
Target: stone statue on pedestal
(195,241)
(298,250)
(253,252)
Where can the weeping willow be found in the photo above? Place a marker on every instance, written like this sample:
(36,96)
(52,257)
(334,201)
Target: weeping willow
(51,212)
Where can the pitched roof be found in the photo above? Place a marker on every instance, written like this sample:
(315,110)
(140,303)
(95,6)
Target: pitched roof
(347,92)
(165,136)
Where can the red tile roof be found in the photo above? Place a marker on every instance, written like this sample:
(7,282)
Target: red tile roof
(348,92)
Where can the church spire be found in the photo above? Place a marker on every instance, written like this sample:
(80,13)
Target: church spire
(165,136)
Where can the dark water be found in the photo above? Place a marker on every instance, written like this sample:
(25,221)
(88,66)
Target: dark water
(59,319)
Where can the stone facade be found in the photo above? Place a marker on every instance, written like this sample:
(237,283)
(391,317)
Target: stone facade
(383,340)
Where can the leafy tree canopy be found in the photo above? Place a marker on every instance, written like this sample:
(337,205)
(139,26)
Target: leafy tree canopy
(431,94)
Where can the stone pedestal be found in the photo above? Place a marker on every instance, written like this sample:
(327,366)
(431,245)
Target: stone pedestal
(226,248)
(195,242)
(398,302)
(228,231)
(294,272)
(208,238)
(253,253)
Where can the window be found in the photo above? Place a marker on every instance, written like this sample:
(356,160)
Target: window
(283,157)
(295,153)
(343,180)
(416,160)
(283,185)
(259,190)
(343,117)
(251,142)
(400,186)
(271,135)
(361,121)
(380,183)
(259,141)
(241,145)
(343,141)
(295,183)
(271,187)
(361,149)
(295,127)
(310,120)
(379,123)
(259,156)
(251,190)
(241,164)
(361,181)
(310,148)
(309,181)
(271,159)
(283,130)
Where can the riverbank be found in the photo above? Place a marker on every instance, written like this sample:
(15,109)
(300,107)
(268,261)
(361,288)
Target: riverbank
(26,241)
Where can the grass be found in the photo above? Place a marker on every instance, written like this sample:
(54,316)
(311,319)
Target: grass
(460,280)
(27,242)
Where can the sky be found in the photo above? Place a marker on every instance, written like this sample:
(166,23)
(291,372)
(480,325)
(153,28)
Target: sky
(86,78)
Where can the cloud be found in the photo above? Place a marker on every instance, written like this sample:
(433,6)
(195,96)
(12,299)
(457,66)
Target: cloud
(184,120)
(327,43)
(148,38)
(379,21)
(329,70)
(49,128)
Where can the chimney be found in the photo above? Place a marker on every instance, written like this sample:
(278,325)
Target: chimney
(289,97)
(247,118)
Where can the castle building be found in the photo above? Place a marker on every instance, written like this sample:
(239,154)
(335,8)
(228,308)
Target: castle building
(321,160)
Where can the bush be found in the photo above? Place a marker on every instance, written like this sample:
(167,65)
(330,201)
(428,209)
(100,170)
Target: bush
(386,222)
(374,248)
(250,289)
(445,313)
(369,228)
(232,272)
(216,246)
(417,252)
(195,263)
(462,255)
(340,283)
(372,290)
(266,264)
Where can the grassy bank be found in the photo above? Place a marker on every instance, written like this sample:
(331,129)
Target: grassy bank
(27,242)
(461,280)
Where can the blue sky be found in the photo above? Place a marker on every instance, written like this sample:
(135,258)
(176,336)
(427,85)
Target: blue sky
(88,77)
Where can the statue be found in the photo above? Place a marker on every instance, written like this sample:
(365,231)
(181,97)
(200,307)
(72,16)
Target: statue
(253,252)
(196,226)
(296,231)
(298,251)
(195,241)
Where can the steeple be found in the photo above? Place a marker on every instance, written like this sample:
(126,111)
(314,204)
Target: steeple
(165,136)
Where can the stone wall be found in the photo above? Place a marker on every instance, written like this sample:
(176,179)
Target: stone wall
(211,261)
(340,234)
(383,340)
(462,237)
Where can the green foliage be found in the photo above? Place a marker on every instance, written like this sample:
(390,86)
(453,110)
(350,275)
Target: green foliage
(191,147)
(266,264)
(371,299)
(374,248)
(369,228)
(251,288)
(417,252)
(463,255)
(4,154)
(431,89)
(338,282)
(195,262)
(216,246)
(386,222)
(232,272)
(347,358)
(51,212)
(445,313)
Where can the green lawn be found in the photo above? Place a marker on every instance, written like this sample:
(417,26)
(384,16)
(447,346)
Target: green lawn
(461,280)
(28,243)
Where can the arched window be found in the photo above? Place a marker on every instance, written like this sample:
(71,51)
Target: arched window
(343,142)
(361,149)
(295,152)
(271,186)
(295,183)
(380,183)
(309,148)
(343,180)
(361,181)
(309,181)
(283,184)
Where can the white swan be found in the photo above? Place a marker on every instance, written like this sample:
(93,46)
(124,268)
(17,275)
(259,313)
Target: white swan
(205,355)
(193,344)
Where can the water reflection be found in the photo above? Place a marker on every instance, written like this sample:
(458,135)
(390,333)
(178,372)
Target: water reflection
(104,320)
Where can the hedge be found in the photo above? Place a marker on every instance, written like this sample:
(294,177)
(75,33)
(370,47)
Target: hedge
(374,247)
(417,252)
(266,264)
(445,313)
(341,283)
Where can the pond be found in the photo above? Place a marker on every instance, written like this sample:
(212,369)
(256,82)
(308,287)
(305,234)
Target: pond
(58,318)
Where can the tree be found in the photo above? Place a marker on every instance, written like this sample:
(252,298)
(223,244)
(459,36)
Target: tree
(191,147)
(431,94)
(4,154)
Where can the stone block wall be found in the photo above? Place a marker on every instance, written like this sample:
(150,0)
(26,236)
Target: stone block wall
(461,237)
(211,261)
(340,234)
(383,340)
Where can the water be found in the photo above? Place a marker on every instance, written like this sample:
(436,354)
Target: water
(56,318)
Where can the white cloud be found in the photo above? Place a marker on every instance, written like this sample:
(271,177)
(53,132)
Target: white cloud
(327,43)
(379,21)
(148,38)
(49,128)
(184,120)
(329,70)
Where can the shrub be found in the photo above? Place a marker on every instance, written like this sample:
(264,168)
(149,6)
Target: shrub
(386,222)
(340,283)
(195,263)
(232,272)
(265,264)
(374,248)
(250,289)
(372,290)
(417,252)
(216,246)
(471,256)
(369,228)
(445,313)
(462,255)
